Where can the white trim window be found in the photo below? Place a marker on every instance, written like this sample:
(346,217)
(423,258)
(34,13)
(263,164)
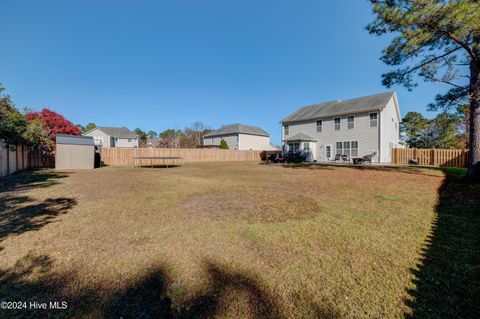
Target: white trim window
(306,146)
(319,125)
(286,129)
(293,147)
(354,148)
(351,122)
(373,119)
(338,148)
(346,148)
(336,124)
(349,148)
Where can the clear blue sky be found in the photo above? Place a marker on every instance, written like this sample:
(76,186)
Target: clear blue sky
(165,64)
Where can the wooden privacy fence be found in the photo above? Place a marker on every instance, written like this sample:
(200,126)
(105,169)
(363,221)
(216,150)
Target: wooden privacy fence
(15,158)
(435,157)
(122,156)
(38,159)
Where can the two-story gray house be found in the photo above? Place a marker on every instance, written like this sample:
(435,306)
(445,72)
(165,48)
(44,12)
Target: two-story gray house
(240,137)
(113,137)
(356,127)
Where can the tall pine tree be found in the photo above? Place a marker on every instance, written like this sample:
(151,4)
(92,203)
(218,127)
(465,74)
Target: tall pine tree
(438,41)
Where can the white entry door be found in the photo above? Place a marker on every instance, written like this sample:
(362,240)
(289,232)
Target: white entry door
(328,152)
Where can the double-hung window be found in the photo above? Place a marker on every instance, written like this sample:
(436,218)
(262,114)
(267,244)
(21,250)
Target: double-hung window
(286,129)
(319,125)
(373,119)
(351,122)
(337,123)
(306,146)
(354,148)
(339,148)
(348,148)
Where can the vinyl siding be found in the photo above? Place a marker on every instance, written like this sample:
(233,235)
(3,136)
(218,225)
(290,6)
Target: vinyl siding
(232,141)
(123,142)
(74,156)
(109,141)
(367,137)
(97,134)
(254,142)
(390,135)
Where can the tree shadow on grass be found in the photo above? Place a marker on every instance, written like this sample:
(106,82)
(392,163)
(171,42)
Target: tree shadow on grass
(32,279)
(18,217)
(447,278)
(19,213)
(25,180)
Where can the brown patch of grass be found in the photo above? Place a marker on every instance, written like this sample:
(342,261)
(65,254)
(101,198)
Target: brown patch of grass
(221,240)
(251,207)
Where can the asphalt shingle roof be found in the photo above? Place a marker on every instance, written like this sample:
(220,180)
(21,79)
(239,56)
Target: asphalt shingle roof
(332,108)
(237,128)
(118,132)
(300,137)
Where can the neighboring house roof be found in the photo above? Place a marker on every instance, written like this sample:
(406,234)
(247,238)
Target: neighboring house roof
(118,132)
(236,129)
(153,140)
(74,139)
(332,108)
(300,137)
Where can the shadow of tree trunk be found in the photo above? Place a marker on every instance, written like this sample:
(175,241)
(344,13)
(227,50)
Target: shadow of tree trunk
(448,277)
(32,279)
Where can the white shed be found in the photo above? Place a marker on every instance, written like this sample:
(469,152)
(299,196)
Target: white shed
(74,152)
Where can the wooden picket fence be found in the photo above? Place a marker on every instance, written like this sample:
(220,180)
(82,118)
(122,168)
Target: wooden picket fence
(434,157)
(123,156)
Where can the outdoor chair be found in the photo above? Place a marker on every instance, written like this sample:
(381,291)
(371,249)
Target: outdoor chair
(345,158)
(368,157)
(337,158)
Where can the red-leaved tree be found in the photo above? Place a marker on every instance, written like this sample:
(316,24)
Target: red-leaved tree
(54,124)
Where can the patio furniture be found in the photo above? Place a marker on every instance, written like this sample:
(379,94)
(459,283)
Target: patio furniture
(368,157)
(337,158)
(345,158)
(357,160)
(413,161)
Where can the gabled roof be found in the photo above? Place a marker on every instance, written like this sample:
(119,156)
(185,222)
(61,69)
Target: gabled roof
(301,137)
(361,104)
(118,132)
(237,128)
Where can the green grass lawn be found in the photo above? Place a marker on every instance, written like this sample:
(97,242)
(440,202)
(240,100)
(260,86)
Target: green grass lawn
(241,239)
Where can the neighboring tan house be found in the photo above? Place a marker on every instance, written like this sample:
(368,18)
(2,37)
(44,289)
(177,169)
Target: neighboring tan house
(239,137)
(153,142)
(113,137)
(355,127)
